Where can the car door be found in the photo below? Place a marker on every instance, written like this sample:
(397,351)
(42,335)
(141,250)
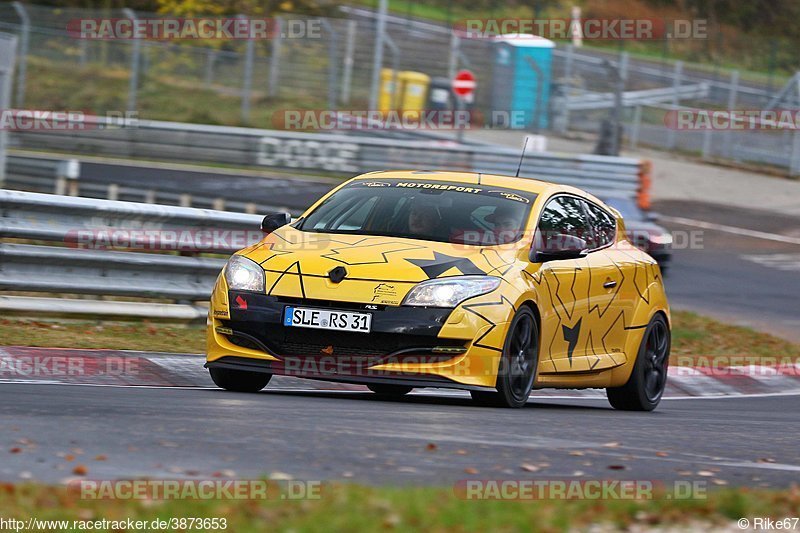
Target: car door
(608,301)
(563,286)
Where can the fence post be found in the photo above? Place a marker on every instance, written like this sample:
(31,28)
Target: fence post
(637,123)
(794,161)
(676,85)
(624,59)
(135,60)
(732,95)
(211,57)
(352,27)
(275,58)
(24,39)
(377,57)
(333,60)
(84,46)
(564,122)
(247,77)
(452,63)
(8,51)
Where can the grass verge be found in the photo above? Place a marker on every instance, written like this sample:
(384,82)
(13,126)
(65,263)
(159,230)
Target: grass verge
(694,338)
(61,87)
(144,336)
(358,508)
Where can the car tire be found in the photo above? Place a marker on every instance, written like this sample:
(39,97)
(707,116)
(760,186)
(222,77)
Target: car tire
(389,390)
(239,380)
(645,387)
(517,371)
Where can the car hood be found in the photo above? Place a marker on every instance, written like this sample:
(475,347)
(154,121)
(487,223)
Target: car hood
(377,269)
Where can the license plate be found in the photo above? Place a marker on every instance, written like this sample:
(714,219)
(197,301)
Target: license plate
(305,317)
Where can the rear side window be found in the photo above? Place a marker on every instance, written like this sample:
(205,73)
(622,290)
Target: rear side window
(563,215)
(604,226)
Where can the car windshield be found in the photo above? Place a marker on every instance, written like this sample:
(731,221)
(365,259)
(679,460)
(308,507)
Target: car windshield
(440,211)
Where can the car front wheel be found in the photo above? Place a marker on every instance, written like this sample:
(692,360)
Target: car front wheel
(517,370)
(239,380)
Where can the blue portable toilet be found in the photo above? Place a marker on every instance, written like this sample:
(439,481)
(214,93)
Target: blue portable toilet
(519,92)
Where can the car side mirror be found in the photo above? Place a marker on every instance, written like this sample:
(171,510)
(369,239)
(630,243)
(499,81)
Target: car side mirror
(559,247)
(274,221)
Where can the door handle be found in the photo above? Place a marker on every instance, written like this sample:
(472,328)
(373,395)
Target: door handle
(610,284)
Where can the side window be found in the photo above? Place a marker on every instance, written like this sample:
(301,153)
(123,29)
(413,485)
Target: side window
(603,224)
(563,215)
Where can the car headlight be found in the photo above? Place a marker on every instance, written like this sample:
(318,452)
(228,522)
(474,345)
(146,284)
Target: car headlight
(449,292)
(244,275)
(661,238)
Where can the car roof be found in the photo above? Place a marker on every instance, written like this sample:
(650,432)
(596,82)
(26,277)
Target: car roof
(478,178)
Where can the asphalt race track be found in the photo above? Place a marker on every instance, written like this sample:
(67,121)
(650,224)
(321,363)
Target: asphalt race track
(733,276)
(355,436)
(273,188)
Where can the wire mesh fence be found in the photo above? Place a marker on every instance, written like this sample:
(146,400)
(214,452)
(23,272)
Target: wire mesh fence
(332,68)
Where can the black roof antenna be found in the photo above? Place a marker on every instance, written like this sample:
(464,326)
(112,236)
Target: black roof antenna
(522,156)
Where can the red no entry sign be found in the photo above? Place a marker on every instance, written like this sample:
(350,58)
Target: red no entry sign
(464,83)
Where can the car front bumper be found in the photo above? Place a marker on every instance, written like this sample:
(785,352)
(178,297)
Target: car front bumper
(421,347)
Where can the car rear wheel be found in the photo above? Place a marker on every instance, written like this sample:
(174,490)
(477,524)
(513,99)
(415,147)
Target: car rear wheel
(518,364)
(389,390)
(645,387)
(239,380)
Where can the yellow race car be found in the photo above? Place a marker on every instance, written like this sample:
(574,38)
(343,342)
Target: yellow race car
(403,279)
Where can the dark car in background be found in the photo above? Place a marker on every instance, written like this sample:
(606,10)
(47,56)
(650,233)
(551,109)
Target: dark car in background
(642,230)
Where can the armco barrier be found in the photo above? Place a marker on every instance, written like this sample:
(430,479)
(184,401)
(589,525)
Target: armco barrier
(163,271)
(41,174)
(332,152)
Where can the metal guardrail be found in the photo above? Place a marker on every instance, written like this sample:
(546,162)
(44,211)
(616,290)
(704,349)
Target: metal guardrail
(334,153)
(41,174)
(63,176)
(593,100)
(101,269)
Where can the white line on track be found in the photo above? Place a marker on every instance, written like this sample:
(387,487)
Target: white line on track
(732,229)
(338,391)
